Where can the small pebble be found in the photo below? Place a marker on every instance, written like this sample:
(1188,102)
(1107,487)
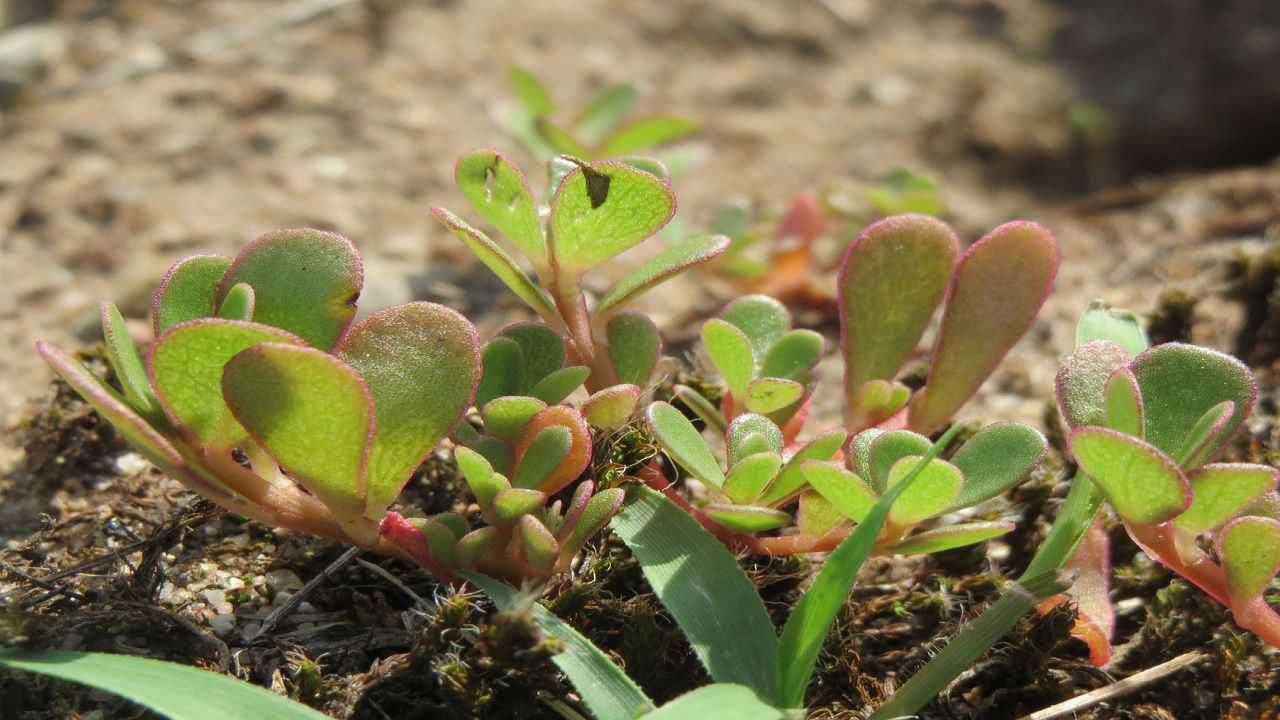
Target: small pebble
(130,464)
(222,624)
(284,581)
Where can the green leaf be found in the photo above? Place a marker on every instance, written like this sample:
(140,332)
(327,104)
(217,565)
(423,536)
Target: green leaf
(1221,491)
(817,515)
(750,476)
(762,319)
(605,689)
(603,209)
(123,356)
(1207,435)
(304,281)
(603,112)
(892,278)
(662,267)
(648,133)
(859,455)
(560,384)
(747,518)
(1180,383)
(847,492)
(503,375)
(509,505)
(175,691)
(498,192)
(611,407)
(890,447)
(559,139)
(238,304)
(682,441)
(441,540)
(1123,403)
(312,412)
(749,434)
(951,537)
(791,478)
(793,356)
(575,462)
(144,438)
(875,402)
(598,511)
(485,484)
(537,545)
(699,582)
(634,347)
(730,351)
(506,417)
(421,362)
(186,367)
(542,348)
(997,458)
(1122,327)
(532,93)
(701,407)
(767,395)
(549,448)
(998,288)
(1143,484)
(1250,552)
(498,261)
(807,627)
(473,546)
(186,292)
(936,487)
(719,701)
(1081,382)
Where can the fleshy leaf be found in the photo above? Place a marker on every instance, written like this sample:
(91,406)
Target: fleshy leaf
(996,292)
(532,93)
(817,516)
(442,543)
(1180,383)
(888,449)
(684,444)
(747,518)
(125,361)
(238,304)
(506,417)
(498,192)
(951,537)
(1081,382)
(186,292)
(475,544)
(456,524)
(762,319)
(599,510)
(509,505)
(843,489)
(560,384)
(793,356)
(304,281)
(1250,552)
(186,366)
(611,407)
(892,278)
(579,456)
(1207,435)
(730,351)
(931,494)
(1143,484)
(1267,505)
(421,362)
(750,476)
(603,209)
(767,395)
(648,133)
(664,266)
(498,261)
(537,545)
(604,111)
(542,348)
(743,428)
(997,458)
(858,454)
(1221,491)
(312,412)
(791,478)
(1122,327)
(503,374)
(876,401)
(485,484)
(634,346)
(497,452)
(545,453)
(701,406)
(1122,403)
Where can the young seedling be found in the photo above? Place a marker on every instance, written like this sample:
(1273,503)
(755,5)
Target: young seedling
(774,256)
(260,394)
(597,132)
(1146,429)
(598,211)
(749,491)
(892,279)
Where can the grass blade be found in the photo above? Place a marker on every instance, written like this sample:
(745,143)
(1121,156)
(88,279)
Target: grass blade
(721,701)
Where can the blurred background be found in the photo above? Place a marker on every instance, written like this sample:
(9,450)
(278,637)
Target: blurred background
(135,132)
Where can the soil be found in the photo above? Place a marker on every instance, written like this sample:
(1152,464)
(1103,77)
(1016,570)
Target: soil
(1142,133)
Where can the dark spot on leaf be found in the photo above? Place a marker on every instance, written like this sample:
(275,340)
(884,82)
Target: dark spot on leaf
(355,297)
(597,186)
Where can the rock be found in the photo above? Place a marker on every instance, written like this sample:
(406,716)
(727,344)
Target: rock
(284,581)
(223,624)
(130,464)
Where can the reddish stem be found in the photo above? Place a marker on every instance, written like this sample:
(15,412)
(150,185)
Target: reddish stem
(1160,542)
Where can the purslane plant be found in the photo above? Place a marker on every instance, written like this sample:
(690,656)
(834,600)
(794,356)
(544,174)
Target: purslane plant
(260,394)
(598,210)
